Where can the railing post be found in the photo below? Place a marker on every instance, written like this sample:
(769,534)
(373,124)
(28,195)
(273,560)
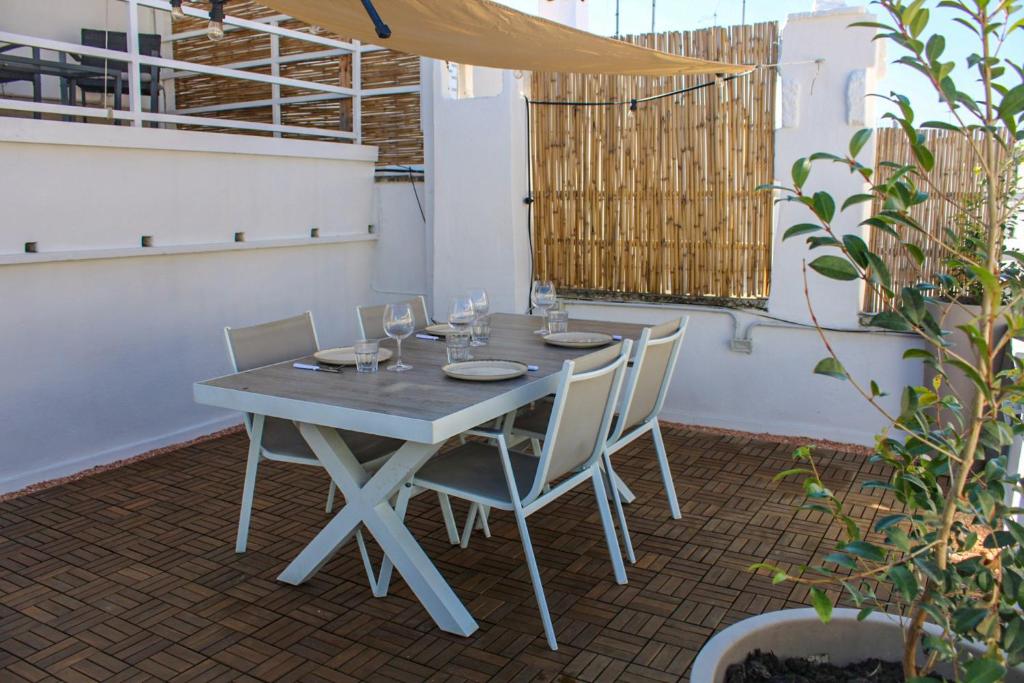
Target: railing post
(357,85)
(134,72)
(275,71)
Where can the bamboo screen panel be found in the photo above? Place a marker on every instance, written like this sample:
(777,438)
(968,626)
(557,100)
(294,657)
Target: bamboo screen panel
(951,176)
(659,202)
(392,122)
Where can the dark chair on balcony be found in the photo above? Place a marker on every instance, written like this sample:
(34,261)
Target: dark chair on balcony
(10,74)
(116,82)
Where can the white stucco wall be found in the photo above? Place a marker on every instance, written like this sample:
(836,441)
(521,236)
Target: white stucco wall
(99,348)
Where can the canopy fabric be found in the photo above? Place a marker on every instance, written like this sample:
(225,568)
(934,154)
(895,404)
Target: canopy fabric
(485,33)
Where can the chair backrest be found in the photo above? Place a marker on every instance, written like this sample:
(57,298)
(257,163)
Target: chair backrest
(272,342)
(371,318)
(647,381)
(149,44)
(581,413)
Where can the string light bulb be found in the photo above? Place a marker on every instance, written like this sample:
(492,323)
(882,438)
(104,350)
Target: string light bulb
(215,29)
(177,11)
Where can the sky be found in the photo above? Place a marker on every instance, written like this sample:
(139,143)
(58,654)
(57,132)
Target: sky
(681,15)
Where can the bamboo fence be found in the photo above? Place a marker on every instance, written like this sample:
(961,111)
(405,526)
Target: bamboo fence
(392,122)
(950,176)
(658,202)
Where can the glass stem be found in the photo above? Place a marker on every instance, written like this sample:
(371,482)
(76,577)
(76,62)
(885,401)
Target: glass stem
(399,362)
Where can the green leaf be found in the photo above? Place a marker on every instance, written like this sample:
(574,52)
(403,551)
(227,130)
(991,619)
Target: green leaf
(857,249)
(868,551)
(934,47)
(889,320)
(1011,105)
(790,472)
(966,618)
(800,229)
(841,559)
(822,605)
(924,157)
(831,367)
(988,280)
(941,125)
(913,305)
(879,271)
(834,267)
(885,522)
(858,140)
(801,169)
(915,252)
(824,205)
(904,581)
(856,199)
(983,671)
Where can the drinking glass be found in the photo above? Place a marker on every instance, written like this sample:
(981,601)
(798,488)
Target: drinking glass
(457,345)
(367,352)
(461,313)
(481,331)
(398,324)
(481,321)
(543,296)
(558,321)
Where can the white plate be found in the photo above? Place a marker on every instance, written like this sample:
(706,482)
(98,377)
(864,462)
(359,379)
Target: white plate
(484,370)
(440,329)
(578,340)
(346,355)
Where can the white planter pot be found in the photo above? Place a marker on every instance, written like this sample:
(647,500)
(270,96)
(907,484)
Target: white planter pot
(799,633)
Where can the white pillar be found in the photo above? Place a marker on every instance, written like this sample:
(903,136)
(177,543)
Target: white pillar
(575,13)
(826,70)
(476,161)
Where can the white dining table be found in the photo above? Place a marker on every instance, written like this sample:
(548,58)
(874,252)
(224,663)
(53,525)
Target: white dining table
(422,407)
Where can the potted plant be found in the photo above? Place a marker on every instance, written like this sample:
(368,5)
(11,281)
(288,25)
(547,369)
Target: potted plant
(938,585)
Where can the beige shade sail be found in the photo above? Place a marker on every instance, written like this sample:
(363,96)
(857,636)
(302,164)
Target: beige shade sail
(485,33)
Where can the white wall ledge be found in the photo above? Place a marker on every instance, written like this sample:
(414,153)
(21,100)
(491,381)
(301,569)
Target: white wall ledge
(177,249)
(129,137)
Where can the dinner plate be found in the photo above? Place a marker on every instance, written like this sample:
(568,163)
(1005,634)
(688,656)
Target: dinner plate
(484,370)
(346,355)
(440,329)
(578,340)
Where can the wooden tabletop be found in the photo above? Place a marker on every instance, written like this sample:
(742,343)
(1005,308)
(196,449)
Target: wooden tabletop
(422,404)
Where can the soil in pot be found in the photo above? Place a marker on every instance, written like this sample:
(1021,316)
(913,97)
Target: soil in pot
(764,667)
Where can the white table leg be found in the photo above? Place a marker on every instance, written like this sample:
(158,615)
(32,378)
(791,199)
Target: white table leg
(367,501)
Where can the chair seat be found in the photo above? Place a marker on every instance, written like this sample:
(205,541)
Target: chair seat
(281,437)
(99,84)
(474,470)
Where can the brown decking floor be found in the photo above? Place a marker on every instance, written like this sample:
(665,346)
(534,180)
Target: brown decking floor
(131,574)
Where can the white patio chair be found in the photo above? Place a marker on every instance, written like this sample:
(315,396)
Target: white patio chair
(272,438)
(643,396)
(371,318)
(575,444)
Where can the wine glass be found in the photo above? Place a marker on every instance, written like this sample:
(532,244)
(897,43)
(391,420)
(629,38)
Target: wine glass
(481,307)
(399,324)
(461,313)
(543,297)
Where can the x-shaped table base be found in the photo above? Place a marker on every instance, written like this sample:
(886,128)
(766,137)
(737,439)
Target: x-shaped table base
(368,503)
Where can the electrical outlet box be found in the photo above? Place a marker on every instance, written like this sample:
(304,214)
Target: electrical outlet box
(742,345)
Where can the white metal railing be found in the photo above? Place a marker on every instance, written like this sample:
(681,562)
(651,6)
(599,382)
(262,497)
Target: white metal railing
(172,70)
